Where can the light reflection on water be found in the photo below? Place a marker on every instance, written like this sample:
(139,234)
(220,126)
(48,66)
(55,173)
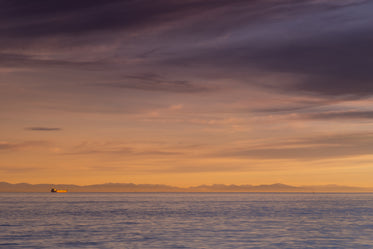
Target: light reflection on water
(185,220)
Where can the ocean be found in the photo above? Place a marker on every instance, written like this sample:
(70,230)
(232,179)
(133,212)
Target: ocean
(186,220)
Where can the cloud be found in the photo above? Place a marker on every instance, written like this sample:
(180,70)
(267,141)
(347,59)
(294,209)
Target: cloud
(156,82)
(326,60)
(42,129)
(198,169)
(332,66)
(43,18)
(18,169)
(218,39)
(13,60)
(295,106)
(121,149)
(347,115)
(312,148)
(13,146)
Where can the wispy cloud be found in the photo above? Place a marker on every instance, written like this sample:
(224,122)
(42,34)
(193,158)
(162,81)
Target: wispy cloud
(70,18)
(346,115)
(5,145)
(119,149)
(311,148)
(156,82)
(14,60)
(40,128)
(20,169)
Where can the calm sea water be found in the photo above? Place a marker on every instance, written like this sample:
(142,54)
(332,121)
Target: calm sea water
(185,220)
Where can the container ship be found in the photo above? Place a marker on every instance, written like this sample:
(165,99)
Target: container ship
(54,190)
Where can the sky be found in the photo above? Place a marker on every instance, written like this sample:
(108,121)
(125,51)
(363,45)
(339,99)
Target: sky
(186,92)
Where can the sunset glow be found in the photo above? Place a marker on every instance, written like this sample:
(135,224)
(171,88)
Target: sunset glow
(186,93)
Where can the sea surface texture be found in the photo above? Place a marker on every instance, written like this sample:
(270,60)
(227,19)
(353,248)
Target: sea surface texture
(185,220)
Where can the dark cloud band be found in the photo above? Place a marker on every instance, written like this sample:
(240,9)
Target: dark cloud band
(42,129)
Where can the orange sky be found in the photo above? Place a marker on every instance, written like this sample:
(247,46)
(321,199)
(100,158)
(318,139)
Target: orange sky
(187,93)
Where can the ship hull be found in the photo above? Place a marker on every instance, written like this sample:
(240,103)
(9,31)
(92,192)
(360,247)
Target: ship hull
(53,190)
(61,191)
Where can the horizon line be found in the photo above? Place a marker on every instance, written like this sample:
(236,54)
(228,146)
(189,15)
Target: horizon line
(144,187)
(192,186)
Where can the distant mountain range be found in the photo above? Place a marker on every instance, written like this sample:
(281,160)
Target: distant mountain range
(130,187)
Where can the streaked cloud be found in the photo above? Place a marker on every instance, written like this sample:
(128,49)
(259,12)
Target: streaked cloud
(346,115)
(5,145)
(40,128)
(155,82)
(120,149)
(311,148)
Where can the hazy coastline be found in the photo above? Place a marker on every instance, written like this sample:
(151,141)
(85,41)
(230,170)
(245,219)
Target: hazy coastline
(130,187)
